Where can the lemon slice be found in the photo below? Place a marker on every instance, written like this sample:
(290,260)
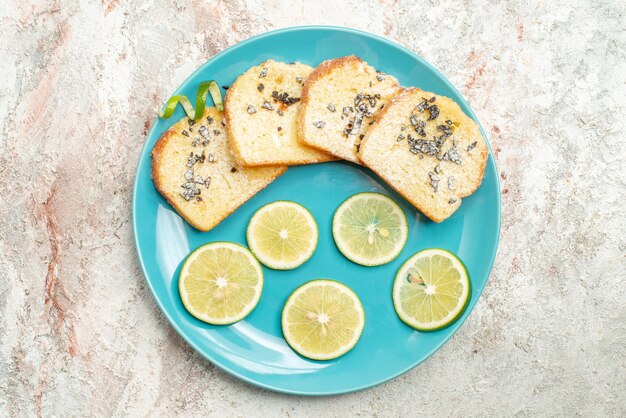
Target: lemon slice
(282,235)
(431,290)
(370,229)
(323,319)
(220,283)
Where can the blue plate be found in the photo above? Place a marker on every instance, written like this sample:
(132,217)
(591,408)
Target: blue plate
(254,349)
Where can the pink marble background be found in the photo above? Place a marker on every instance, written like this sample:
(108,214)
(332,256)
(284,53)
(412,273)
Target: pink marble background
(80,334)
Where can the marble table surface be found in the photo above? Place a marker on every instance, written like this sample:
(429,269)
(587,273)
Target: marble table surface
(80,334)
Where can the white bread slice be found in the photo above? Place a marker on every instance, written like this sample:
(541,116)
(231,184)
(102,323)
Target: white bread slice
(188,154)
(261,110)
(428,150)
(339,101)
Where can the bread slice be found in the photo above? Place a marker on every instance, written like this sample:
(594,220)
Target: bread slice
(340,99)
(428,150)
(261,110)
(193,169)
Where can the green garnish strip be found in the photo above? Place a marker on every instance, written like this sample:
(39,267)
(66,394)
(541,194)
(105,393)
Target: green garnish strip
(204,88)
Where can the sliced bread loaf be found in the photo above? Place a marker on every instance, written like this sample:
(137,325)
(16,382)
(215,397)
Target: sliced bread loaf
(339,101)
(261,110)
(193,169)
(428,150)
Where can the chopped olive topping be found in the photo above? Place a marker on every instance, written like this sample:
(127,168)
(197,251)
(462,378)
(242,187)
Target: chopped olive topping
(194,158)
(190,186)
(190,190)
(454,156)
(422,146)
(419,125)
(284,98)
(421,106)
(364,106)
(445,129)
(434,181)
(433,112)
(204,132)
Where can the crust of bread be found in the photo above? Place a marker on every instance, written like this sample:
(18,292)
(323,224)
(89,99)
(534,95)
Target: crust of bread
(234,149)
(237,152)
(157,155)
(418,205)
(323,70)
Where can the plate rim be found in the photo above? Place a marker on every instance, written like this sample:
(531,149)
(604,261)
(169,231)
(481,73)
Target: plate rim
(241,376)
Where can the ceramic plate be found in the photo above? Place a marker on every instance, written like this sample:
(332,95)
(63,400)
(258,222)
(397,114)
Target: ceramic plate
(254,349)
